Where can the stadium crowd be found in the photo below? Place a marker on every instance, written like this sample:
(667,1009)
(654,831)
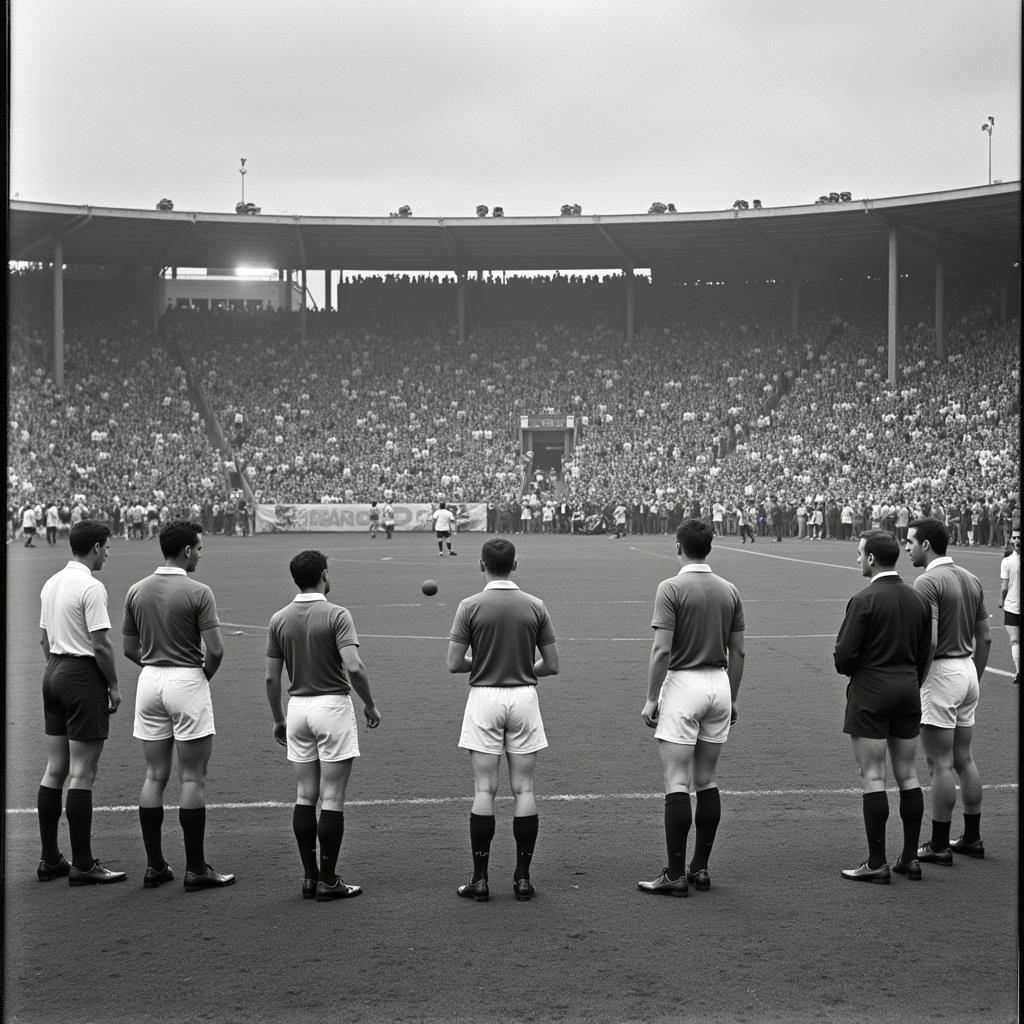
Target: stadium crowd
(714,407)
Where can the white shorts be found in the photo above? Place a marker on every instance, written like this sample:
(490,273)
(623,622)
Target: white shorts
(173,700)
(695,704)
(950,693)
(322,728)
(503,718)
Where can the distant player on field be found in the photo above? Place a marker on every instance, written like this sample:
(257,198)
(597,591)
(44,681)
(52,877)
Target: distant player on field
(444,526)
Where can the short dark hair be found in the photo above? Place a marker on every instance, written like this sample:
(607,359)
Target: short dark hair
(883,545)
(177,535)
(307,567)
(87,534)
(694,537)
(933,531)
(498,556)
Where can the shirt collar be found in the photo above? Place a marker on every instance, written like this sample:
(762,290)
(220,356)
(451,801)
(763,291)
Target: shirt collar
(306,598)
(694,567)
(170,570)
(501,585)
(74,564)
(888,572)
(941,560)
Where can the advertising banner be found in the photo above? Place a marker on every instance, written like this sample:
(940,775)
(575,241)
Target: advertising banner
(356,518)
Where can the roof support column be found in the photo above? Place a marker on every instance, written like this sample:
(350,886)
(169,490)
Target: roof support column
(461,303)
(894,270)
(794,306)
(328,305)
(302,305)
(158,297)
(940,306)
(630,305)
(288,291)
(58,313)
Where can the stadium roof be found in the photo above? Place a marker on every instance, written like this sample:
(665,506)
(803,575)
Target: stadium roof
(973,228)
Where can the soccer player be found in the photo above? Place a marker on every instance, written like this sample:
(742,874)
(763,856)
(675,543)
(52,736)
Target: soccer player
(317,642)
(693,680)
(1009,599)
(168,621)
(884,646)
(506,630)
(949,696)
(80,693)
(444,526)
(374,520)
(388,519)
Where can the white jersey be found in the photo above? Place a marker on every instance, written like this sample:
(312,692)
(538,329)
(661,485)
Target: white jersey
(1009,570)
(444,520)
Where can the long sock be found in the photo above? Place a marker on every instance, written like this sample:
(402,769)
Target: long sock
(678,818)
(193,830)
(706,818)
(940,835)
(876,814)
(330,831)
(972,827)
(524,831)
(152,819)
(304,827)
(79,812)
(48,807)
(911,814)
(481,832)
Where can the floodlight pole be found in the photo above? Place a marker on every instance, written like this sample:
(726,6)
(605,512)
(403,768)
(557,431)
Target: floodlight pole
(987,129)
(242,173)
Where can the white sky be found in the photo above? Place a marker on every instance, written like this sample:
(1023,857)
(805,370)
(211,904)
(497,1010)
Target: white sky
(354,108)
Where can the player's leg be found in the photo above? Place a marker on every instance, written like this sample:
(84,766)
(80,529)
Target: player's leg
(49,805)
(525,822)
(677,772)
(1013,633)
(869,753)
(708,812)
(938,749)
(334,776)
(158,755)
(193,760)
(83,763)
(304,824)
(903,755)
(970,782)
(481,818)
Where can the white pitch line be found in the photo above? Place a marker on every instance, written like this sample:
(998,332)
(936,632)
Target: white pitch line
(555,797)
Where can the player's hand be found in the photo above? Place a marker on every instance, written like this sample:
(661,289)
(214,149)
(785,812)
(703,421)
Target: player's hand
(735,716)
(372,716)
(281,733)
(650,714)
(113,700)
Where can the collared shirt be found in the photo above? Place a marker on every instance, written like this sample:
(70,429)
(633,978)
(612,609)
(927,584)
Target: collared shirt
(703,611)
(73,604)
(880,575)
(957,602)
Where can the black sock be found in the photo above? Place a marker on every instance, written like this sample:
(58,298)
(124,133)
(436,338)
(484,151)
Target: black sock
(193,830)
(79,812)
(152,819)
(330,831)
(481,832)
(972,827)
(940,835)
(911,814)
(48,806)
(678,818)
(876,814)
(706,819)
(304,827)
(524,830)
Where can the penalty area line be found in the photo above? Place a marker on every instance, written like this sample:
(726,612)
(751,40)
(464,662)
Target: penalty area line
(256,805)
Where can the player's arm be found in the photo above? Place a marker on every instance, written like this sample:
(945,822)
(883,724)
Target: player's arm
(214,644)
(459,658)
(737,658)
(661,651)
(132,648)
(850,639)
(360,683)
(547,663)
(273,680)
(1004,589)
(982,644)
(44,642)
(103,652)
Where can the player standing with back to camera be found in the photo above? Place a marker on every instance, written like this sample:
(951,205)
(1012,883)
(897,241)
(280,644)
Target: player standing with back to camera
(1009,599)
(80,693)
(168,619)
(317,642)
(949,696)
(884,645)
(693,680)
(506,629)
(445,524)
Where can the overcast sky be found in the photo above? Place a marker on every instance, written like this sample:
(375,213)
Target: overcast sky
(354,108)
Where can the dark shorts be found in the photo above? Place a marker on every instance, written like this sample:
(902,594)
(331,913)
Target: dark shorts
(441,534)
(890,710)
(28,530)
(75,702)
(1011,618)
